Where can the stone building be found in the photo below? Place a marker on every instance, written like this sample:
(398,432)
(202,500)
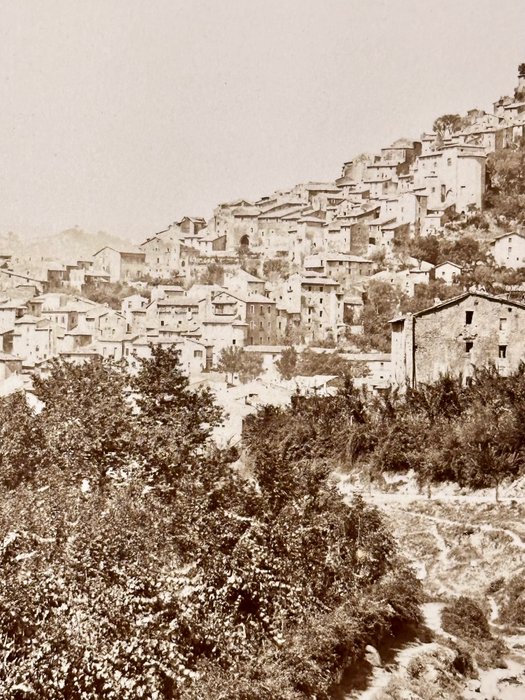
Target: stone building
(471,330)
(121,265)
(509,250)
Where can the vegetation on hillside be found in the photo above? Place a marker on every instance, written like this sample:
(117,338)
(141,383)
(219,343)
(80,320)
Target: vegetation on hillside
(137,562)
(237,361)
(471,434)
(505,196)
(112,293)
(310,363)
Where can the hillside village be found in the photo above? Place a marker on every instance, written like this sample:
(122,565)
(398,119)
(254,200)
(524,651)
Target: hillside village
(298,267)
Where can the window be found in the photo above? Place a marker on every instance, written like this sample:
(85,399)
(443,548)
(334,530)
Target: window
(503,324)
(449,161)
(502,352)
(468,317)
(320,314)
(234,342)
(468,346)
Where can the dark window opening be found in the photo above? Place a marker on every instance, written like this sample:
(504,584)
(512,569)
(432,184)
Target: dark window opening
(502,352)
(468,317)
(468,346)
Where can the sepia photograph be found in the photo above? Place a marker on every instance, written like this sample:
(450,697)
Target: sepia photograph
(262,350)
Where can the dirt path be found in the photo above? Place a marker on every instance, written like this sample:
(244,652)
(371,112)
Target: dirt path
(494,684)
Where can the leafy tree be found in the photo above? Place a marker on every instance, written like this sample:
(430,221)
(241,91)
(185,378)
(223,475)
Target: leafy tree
(465,619)
(214,274)
(22,441)
(175,421)
(426,248)
(505,194)
(425,295)
(112,293)
(287,364)
(86,418)
(447,122)
(312,363)
(235,360)
(381,303)
(275,268)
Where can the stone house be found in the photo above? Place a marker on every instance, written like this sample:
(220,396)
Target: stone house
(162,253)
(261,320)
(121,265)
(313,303)
(470,330)
(447,271)
(508,250)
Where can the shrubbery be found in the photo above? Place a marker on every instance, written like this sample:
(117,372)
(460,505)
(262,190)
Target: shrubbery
(472,434)
(464,618)
(137,563)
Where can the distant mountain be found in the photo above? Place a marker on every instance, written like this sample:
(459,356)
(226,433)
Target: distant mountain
(65,246)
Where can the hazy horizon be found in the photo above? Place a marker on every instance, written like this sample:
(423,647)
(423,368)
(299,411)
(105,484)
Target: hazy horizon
(124,116)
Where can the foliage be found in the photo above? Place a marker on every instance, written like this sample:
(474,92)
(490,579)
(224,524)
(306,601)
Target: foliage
(426,295)
(111,293)
(512,611)
(505,195)
(275,268)
(466,251)
(170,575)
(465,619)
(22,441)
(381,303)
(287,364)
(471,434)
(175,421)
(86,419)
(214,274)
(235,360)
(447,122)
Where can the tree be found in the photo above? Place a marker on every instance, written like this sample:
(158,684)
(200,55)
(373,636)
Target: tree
(86,418)
(447,122)
(275,268)
(287,364)
(312,363)
(23,447)
(426,248)
(235,360)
(214,274)
(175,422)
(381,303)
(505,194)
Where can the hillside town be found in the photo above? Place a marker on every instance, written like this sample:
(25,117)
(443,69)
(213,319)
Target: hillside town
(295,268)
(262,440)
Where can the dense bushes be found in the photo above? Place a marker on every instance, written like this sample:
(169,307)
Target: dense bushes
(464,618)
(472,434)
(137,562)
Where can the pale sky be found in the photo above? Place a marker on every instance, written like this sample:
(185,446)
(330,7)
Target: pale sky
(125,115)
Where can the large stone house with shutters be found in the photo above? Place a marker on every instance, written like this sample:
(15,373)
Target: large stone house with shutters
(471,330)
